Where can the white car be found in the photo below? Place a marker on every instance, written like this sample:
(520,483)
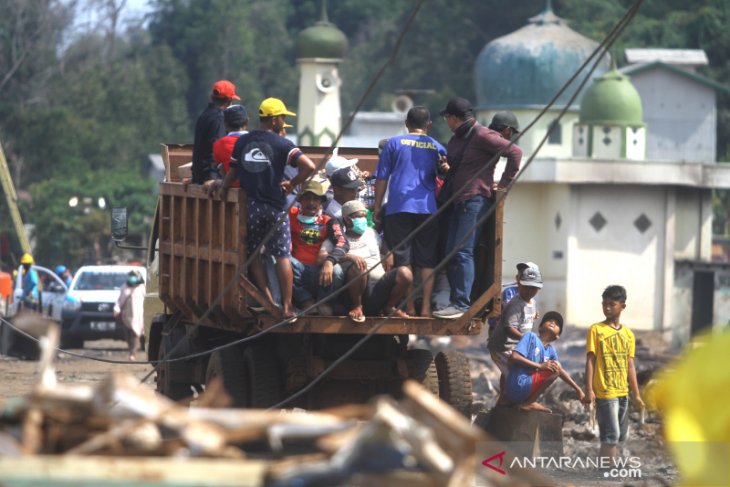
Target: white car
(88,313)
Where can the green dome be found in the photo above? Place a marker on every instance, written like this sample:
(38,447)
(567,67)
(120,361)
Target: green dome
(323,39)
(526,68)
(612,100)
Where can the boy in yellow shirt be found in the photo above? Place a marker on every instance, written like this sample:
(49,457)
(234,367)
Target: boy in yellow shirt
(610,371)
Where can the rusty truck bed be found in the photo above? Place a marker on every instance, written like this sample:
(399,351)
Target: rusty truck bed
(202,251)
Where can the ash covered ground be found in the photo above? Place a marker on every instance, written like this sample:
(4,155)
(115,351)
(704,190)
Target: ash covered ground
(580,438)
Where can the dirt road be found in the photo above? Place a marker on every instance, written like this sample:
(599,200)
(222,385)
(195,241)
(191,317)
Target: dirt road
(19,376)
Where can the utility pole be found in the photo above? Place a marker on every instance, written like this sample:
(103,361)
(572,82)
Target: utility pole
(12,198)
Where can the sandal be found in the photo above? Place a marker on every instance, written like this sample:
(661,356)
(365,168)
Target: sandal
(356,315)
(395,313)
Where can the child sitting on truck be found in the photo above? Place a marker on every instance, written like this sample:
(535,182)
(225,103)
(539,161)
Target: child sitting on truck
(313,266)
(534,365)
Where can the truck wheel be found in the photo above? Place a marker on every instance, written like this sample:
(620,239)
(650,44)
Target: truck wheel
(421,367)
(165,385)
(264,380)
(454,377)
(228,365)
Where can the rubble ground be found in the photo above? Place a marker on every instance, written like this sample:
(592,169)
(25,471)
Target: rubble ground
(579,439)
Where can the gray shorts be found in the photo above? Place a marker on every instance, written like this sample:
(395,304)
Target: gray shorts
(612,416)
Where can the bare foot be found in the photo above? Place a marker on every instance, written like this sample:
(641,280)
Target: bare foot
(132,358)
(533,406)
(396,313)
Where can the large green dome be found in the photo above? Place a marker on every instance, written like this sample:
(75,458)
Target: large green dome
(526,68)
(322,40)
(612,100)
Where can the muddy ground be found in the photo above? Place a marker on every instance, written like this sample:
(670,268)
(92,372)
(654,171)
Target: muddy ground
(17,376)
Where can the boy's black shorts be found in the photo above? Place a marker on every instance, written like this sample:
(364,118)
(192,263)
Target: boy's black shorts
(421,250)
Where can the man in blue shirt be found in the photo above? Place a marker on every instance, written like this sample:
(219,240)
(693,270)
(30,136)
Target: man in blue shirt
(407,168)
(258,161)
(30,283)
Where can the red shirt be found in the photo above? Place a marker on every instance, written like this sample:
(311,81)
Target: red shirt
(222,150)
(307,238)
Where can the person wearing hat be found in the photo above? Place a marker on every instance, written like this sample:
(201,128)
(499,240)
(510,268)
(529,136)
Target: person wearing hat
(376,293)
(313,265)
(534,365)
(30,298)
(208,128)
(258,161)
(63,273)
(235,118)
(517,319)
(470,149)
(346,184)
(407,169)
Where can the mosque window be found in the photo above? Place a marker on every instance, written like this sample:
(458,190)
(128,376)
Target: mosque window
(556,133)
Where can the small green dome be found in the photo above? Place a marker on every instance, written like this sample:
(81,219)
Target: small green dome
(323,39)
(612,100)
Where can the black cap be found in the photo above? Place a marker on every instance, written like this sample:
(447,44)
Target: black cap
(505,119)
(235,115)
(458,107)
(553,315)
(346,178)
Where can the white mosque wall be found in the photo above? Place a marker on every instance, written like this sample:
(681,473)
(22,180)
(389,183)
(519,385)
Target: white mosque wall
(607,246)
(536,228)
(680,115)
(635,143)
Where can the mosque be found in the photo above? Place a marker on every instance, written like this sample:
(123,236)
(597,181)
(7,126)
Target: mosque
(619,193)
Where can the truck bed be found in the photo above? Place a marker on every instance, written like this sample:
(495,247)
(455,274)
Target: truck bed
(202,251)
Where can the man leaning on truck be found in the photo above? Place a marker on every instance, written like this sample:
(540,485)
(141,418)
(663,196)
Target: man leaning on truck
(258,161)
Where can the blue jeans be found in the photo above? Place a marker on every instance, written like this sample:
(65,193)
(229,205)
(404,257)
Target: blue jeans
(612,416)
(460,270)
(306,282)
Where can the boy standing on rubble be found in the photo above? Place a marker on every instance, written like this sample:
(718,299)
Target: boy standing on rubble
(610,371)
(534,365)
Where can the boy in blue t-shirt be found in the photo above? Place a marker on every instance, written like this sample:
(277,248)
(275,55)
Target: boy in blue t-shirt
(534,365)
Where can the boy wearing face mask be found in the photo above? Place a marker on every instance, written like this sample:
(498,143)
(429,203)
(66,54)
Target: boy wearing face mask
(314,267)
(376,293)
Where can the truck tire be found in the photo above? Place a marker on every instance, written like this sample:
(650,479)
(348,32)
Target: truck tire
(228,365)
(264,380)
(454,377)
(165,386)
(421,368)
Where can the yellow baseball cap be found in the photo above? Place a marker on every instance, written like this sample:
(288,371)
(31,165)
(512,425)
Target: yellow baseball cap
(273,107)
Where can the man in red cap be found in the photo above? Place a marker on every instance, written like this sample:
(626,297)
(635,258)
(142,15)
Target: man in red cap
(209,128)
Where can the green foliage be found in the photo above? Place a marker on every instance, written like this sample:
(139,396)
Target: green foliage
(66,234)
(75,121)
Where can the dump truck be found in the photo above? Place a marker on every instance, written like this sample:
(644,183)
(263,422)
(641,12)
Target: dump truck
(197,250)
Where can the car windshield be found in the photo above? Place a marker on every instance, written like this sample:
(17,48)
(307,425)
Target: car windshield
(100,280)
